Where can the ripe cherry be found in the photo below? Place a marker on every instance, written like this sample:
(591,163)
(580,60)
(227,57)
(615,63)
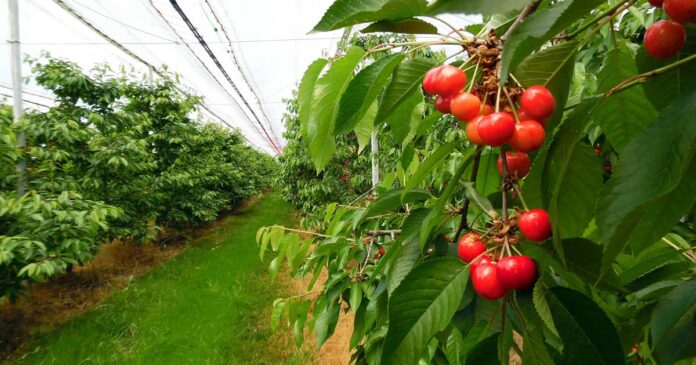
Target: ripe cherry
(535,224)
(682,11)
(472,131)
(523,116)
(484,276)
(598,149)
(496,129)
(516,272)
(529,136)
(465,106)
(487,109)
(518,164)
(538,102)
(664,39)
(450,80)
(442,103)
(470,247)
(429,80)
(656,3)
(381,251)
(485,259)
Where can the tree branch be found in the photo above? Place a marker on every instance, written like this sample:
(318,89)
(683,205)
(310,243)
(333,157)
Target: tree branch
(640,78)
(523,14)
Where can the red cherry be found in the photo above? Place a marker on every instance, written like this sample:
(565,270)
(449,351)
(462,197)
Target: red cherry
(381,251)
(535,224)
(656,3)
(597,150)
(470,247)
(484,276)
(518,164)
(516,272)
(664,39)
(529,136)
(465,106)
(682,11)
(523,116)
(429,80)
(538,102)
(496,129)
(442,103)
(472,131)
(487,109)
(485,259)
(449,81)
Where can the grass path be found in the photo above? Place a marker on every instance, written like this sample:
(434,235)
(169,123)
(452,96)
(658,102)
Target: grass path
(209,305)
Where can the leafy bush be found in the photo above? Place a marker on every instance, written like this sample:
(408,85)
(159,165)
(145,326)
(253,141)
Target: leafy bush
(118,157)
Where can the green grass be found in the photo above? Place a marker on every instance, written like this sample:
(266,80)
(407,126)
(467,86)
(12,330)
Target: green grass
(209,305)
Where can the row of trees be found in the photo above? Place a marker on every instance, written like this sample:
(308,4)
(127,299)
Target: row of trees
(117,157)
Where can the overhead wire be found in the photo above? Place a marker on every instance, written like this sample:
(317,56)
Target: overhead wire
(202,63)
(210,53)
(127,51)
(237,63)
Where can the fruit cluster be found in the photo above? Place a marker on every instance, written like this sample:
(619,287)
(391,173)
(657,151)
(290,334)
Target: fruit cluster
(493,279)
(521,128)
(665,38)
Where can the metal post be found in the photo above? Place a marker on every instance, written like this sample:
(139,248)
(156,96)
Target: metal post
(16,64)
(375,162)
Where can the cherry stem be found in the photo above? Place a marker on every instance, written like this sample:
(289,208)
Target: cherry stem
(484,101)
(618,10)
(516,250)
(519,194)
(473,78)
(512,105)
(523,14)
(497,99)
(515,80)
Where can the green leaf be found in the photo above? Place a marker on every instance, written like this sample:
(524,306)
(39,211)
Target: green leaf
(589,337)
(403,120)
(325,104)
(652,185)
(356,295)
(406,81)
(362,92)
(428,164)
(483,7)
(306,91)
(277,312)
(672,324)
(343,13)
(542,306)
(420,307)
(650,263)
(540,27)
(553,68)
(670,85)
(485,352)
(392,200)
(479,199)
(404,26)
(624,115)
(363,131)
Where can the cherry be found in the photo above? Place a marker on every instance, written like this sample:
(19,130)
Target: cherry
(381,251)
(487,109)
(523,116)
(496,129)
(535,224)
(485,259)
(598,149)
(465,106)
(538,102)
(484,276)
(516,272)
(472,131)
(518,164)
(442,103)
(450,80)
(529,136)
(681,11)
(656,3)
(429,80)
(470,247)
(664,39)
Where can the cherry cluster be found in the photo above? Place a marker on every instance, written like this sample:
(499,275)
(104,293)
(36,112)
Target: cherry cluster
(520,124)
(665,38)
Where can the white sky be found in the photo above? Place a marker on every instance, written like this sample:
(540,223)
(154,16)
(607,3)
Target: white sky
(269,40)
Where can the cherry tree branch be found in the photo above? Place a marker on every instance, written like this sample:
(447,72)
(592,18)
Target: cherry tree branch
(640,78)
(464,224)
(520,18)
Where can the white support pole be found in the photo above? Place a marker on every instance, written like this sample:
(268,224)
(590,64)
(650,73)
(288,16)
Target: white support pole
(375,162)
(16,65)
